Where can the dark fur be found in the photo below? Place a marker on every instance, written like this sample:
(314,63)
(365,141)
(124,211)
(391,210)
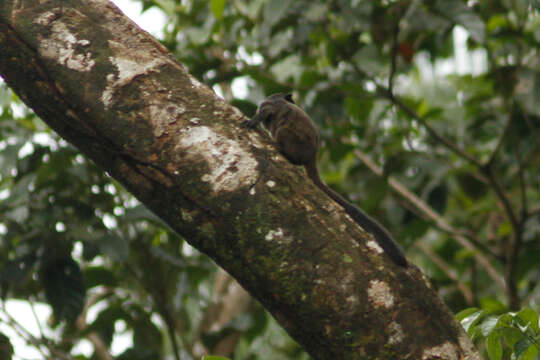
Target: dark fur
(298,140)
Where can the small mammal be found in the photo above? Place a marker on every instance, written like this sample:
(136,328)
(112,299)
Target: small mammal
(298,140)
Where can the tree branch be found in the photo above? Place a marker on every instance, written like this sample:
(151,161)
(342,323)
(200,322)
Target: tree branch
(100,348)
(449,271)
(427,211)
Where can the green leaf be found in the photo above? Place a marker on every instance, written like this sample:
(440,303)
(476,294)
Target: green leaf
(5,95)
(201,34)
(488,325)
(528,90)
(168,7)
(287,68)
(145,333)
(359,108)
(21,191)
(466,313)
(99,276)
(274,10)
(16,270)
(531,352)
(497,21)
(138,353)
(168,257)
(505,229)
(8,158)
(492,306)
(522,345)
(18,214)
(529,317)
(369,59)
(316,11)
(214,357)
(116,247)
(471,319)
(494,346)
(511,335)
(464,15)
(217,7)
(105,320)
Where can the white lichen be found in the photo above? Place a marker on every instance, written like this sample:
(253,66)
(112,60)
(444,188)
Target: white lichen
(46,18)
(237,113)
(352,301)
(272,234)
(447,351)
(347,278)
(380,295)
(230,166)
(128,64)
(396,334)
(374,246)
(163,115)
(270,183)
(62,45)
(467,347)
(186,216)
(194,82)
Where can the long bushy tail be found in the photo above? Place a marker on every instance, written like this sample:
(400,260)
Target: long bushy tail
(381,235)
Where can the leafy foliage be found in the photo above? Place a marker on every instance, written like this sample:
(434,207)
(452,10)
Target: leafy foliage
(508,334)
(435,97)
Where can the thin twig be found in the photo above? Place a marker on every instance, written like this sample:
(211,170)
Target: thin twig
(171,329)
(100,348)
(23,333)
(42,334)
(384,91)
(523,191)
(423,121)
(534,211)
(449,271)
(443,265)
(495,152)
(505,201)
(436,218)
(525,160)
(393,59)
(164,312)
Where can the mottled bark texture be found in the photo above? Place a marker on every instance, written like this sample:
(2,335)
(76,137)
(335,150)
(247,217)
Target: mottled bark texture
(118,95)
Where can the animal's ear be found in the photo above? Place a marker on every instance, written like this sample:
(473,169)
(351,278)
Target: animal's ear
(289,98)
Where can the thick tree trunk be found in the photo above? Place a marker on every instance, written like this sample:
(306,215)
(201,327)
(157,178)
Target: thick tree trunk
(119,96)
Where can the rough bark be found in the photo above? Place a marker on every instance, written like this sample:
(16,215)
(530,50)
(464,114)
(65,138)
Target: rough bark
(119,96)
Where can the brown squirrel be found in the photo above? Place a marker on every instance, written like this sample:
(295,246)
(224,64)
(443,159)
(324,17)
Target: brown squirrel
(298,140)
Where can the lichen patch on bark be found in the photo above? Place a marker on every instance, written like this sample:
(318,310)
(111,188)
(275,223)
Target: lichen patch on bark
(447,351)
(380,294)
(128,67)
(374,246)
(62,45)
(230,166)
(274,233)
(396,333)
